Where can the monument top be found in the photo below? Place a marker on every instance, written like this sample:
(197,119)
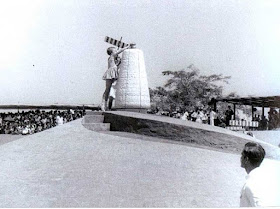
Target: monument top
(133,45)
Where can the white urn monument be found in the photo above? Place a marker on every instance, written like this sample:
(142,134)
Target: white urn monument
(132,91)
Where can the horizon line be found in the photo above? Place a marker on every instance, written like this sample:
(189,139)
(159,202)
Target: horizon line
(50,106)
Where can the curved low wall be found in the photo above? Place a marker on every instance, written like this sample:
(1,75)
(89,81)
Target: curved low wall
(184,131)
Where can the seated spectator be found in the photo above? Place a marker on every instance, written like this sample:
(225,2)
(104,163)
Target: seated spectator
(204,118)
(194,116)
(33,121)
(32,129)
(199,117)
(185,116)
(25,130)
(59,120)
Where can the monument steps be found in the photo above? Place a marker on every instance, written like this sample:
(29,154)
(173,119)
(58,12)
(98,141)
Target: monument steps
(94,121)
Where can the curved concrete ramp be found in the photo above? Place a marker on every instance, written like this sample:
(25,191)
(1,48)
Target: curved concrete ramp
(70,166)
(184,131)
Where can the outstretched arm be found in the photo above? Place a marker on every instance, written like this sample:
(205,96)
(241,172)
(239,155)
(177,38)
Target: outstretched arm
(121,50)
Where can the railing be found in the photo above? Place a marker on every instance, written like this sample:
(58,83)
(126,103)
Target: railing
(241,125)
(58,107)
(244,123)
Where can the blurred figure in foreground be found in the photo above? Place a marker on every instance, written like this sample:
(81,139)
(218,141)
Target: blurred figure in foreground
(262,186)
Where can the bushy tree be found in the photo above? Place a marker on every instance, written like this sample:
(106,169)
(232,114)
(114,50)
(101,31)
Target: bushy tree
(187,89)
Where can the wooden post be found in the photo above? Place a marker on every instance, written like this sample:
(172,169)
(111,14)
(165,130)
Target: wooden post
(215,105)
(252,112)
(234,109)
(262,111)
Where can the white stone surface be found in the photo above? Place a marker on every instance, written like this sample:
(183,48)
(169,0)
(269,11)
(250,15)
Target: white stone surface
(132,86)
(271,136)
(69,166)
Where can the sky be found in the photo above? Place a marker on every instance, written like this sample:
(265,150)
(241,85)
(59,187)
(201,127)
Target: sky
(53,51)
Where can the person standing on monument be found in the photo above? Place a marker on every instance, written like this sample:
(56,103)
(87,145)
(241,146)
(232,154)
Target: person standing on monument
(111,74)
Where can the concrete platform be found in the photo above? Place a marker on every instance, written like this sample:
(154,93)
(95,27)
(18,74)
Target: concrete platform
(93,119)
(71,166)
(271,137)
(97,126)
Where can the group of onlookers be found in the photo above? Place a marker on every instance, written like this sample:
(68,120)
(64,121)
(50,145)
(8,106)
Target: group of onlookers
(34,121)
(203,116)
(270,123)
(273,119)
(222,119)
(199,115)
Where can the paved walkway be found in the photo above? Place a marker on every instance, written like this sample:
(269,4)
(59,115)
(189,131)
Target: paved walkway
(70,166)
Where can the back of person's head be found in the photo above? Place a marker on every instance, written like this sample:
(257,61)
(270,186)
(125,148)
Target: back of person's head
(254,152)
(110,50)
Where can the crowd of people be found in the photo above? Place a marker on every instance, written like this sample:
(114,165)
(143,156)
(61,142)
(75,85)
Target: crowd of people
(199,115)
(222,119)
(270,123)
(34,121)
(273,119)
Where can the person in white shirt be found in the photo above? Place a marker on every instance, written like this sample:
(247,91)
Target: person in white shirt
(26,130)
(204,117)
(59,120)
(262,186)
(185,116)
(199,116)
(213,116)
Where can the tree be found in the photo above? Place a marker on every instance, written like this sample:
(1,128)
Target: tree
(187,89)
(159,98)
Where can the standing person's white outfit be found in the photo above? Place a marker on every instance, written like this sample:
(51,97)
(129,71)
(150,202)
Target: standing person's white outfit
(213,116)
(185,116)
(199,117)
(59,120)
(194,116)
(262,187)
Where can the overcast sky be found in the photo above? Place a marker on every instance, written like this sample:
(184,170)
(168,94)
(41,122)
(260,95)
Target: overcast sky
(53,51)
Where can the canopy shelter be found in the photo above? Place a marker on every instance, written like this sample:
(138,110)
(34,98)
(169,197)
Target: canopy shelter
(271,101)
(268,102)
